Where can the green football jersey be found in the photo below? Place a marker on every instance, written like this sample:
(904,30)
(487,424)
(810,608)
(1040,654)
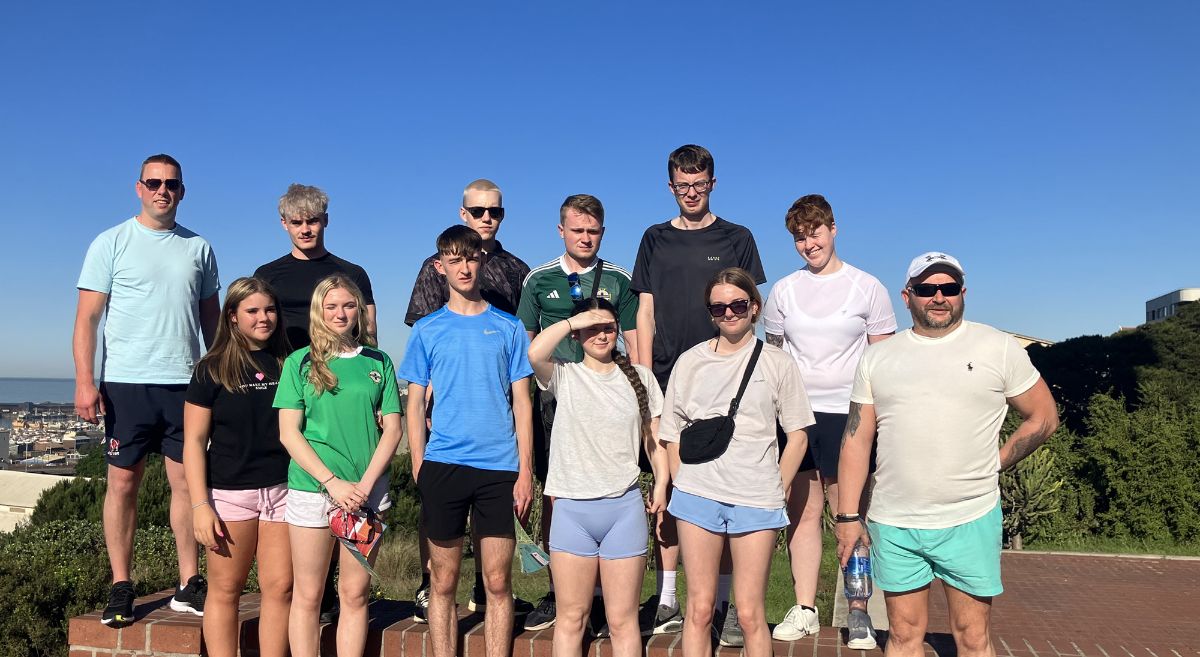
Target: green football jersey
(340,423)
(546,299)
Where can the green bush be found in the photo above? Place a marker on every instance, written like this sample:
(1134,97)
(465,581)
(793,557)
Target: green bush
(82,498)
(55,570)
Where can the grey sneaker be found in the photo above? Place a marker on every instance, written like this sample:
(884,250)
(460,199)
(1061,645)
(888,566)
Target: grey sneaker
(654,618)
(860,631)
(729,634)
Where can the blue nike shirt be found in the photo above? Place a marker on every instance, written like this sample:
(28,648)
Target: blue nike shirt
(471,361)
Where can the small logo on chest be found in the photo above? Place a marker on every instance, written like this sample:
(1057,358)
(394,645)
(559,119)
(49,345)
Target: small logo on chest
(376,377)
(714,258)
(970,367)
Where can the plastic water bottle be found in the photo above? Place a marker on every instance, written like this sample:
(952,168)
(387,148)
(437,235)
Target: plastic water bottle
(857,574)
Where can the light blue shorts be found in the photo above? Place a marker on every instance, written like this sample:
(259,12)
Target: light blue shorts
(965,556)
(722,518)
(607,527)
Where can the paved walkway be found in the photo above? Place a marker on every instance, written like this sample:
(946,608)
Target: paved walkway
(1059,605)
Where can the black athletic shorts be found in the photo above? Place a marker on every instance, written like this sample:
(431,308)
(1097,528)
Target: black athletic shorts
(824,444)
(140,418)
(543,421)
(450,492)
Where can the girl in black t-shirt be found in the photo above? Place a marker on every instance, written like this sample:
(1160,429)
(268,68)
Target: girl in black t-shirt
(236,468)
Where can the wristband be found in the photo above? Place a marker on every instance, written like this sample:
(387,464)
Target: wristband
(847,517)
(197,506)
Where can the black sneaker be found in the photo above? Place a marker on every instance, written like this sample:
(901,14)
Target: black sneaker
(598,619)
(543,615)
(190,598)
(119,611)
(421,601)
(478,599)
(330,614)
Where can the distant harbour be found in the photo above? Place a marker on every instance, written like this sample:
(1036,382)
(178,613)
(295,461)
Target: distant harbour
(16,391)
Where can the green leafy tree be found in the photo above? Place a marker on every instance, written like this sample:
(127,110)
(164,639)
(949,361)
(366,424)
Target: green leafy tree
(1145,467)
(82,498)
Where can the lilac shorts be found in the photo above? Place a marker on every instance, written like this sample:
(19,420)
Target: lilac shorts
(266,504)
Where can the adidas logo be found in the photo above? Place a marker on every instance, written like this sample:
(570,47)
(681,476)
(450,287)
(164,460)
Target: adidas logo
(553,294)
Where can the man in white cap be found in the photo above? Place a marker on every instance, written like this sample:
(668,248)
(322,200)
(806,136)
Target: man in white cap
(937,395)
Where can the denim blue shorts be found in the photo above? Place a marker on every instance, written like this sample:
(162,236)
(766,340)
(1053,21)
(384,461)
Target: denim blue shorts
(605,527)
(722,518)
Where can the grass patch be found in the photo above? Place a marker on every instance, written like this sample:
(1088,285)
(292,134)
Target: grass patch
(400,574)
(1098,545)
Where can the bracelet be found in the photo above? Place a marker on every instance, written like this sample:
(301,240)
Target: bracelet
(847,517)
(329,479)
(197,506)
(569,327)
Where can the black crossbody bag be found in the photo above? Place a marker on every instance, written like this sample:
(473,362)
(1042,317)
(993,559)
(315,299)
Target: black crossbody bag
(704,440)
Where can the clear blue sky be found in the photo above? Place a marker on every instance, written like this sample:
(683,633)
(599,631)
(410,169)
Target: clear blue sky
(1054,147)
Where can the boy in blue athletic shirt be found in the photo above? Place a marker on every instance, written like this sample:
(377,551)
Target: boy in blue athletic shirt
(478,457)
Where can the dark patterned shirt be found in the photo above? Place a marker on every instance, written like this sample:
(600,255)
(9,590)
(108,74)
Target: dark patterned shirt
(500,285)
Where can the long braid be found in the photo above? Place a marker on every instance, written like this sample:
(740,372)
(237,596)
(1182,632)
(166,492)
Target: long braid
(639,390)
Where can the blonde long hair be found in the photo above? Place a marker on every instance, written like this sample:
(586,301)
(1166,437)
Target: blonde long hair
(227,362)
(327,344)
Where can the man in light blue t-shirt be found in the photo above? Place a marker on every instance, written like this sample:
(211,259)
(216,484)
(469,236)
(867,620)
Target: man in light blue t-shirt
(479,456)
(156,284)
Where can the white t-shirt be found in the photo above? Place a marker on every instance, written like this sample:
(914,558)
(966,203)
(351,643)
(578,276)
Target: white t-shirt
(939,404)
(825,321)
(596,438)
(701,386)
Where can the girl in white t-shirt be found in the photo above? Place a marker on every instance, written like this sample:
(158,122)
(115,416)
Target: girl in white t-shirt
(738,495)
(824,315)
(608,411)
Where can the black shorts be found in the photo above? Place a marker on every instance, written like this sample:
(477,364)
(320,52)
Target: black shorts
(142,418)
(824,444)
(544,407)
(450,492)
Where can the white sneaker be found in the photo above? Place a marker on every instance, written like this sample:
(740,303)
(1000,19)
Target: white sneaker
(797,624)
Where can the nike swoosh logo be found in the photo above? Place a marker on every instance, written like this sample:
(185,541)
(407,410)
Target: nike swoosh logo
(487,332)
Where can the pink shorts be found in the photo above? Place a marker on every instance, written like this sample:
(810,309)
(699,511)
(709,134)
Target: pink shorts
(266,504)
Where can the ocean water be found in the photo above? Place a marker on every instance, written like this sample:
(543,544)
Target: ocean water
(14,391)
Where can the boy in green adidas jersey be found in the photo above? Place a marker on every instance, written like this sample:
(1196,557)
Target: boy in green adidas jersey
(548,295)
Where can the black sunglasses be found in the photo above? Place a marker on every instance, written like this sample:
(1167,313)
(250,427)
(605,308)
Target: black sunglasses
(739,307)
(152,184)
(930,289)
(477,212)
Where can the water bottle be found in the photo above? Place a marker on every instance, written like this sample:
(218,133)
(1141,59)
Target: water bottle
(857,574)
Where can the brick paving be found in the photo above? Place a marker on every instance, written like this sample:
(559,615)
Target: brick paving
(1055,605)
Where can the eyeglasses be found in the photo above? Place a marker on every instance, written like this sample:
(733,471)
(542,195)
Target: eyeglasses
(152,184)
(477,212)
(576,288)
(738,306)
(701,186)
(930,290)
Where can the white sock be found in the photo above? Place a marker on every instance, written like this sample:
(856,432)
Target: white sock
(724,583)
(664,582)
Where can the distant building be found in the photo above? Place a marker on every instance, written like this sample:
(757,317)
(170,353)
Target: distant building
(19,493)
(1027,341)
(1160,308)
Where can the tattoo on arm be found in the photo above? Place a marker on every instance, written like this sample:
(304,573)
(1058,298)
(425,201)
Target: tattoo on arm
(775,340)
(852,421)
(1020,446)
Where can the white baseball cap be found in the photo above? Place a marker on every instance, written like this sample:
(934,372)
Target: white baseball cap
(932,259)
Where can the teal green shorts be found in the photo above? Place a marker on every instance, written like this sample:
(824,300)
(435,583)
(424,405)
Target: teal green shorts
(965,556)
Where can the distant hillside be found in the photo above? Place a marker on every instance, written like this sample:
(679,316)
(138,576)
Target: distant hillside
(1166,353)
